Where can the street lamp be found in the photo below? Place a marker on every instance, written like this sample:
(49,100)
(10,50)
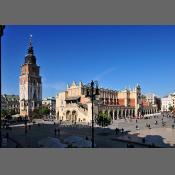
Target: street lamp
(25,123)
(92,92)
(1,34)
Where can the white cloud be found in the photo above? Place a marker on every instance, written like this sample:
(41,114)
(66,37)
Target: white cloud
(104,73)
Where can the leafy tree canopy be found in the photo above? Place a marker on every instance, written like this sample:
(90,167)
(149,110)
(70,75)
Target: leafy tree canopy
(171,108)
(103,119)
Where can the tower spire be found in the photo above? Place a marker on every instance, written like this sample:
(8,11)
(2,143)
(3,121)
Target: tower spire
(30,49)
(30,40)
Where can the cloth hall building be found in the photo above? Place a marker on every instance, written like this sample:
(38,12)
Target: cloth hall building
(74,105)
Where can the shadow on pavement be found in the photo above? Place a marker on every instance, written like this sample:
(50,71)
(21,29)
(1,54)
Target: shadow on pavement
(104,137)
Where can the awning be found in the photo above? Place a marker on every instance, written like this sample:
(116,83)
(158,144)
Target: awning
(73,98)
(16,116)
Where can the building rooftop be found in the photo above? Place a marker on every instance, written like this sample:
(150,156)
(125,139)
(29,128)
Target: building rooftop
(10,97)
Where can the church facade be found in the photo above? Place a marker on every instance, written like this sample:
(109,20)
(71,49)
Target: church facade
(30,85)
(74,105)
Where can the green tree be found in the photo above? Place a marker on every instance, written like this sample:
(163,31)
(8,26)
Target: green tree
(36,114)
(44,110)
(171,108)
(103,119)
(7,112)
(41,112)
(12,112)
(4,113)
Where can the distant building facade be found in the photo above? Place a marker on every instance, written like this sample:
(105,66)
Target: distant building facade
(50,102)
(10,102)
(74,104)
(153,100)
(168,101)
(30,84)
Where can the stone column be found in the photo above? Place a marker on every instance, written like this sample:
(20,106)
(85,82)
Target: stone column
(117,114)
(132,113)
(129,112)
(122,115)
(125,113)
(108,113)
(113,113)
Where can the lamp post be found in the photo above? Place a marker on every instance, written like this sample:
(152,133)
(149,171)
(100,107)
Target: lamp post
(25,123)
(1,34)
(92,92)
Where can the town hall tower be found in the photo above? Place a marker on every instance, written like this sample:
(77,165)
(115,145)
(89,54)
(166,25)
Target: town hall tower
(30,84)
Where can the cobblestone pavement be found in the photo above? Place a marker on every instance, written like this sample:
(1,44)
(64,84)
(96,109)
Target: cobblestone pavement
(159,135)
(130,125)
(104,138)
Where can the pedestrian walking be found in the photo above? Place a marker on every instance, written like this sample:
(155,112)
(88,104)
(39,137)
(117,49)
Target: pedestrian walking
(59,132)
(116,131)
(143,140)
(55,131)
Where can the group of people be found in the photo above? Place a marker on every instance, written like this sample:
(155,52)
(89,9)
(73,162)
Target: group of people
(57,131)
(117,131)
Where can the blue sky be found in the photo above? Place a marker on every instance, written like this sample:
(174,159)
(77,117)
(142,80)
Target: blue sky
(116,56)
